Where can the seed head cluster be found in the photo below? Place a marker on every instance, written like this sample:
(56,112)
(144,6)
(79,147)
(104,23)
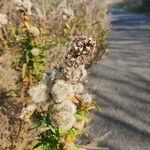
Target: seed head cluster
(61,87)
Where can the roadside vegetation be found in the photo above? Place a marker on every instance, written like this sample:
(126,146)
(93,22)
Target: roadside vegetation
(45,50)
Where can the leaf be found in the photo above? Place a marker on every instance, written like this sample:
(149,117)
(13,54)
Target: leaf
(96,105)
(82,117)
(67,26)
(24,70)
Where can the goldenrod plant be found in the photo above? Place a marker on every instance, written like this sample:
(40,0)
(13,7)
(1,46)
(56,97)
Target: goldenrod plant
(60,103)
(51,60)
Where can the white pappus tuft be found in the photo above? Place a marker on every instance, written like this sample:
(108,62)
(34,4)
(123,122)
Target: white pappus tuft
(86,98)
(35,51)
(78,88)
(39,93)
(61,91)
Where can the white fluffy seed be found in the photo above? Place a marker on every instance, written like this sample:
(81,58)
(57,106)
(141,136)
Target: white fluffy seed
(61,91)
(35,51)
(39,93)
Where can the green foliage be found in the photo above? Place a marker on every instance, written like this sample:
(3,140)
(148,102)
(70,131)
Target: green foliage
(81,116)
(31,66)
(52,137)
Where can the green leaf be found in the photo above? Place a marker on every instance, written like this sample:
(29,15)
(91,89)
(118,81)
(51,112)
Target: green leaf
(13,31)
(35,68)
(38,146)
(82,117)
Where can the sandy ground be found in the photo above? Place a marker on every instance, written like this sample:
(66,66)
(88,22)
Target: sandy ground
(121,82)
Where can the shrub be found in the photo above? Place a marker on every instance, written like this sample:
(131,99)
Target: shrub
(52,57)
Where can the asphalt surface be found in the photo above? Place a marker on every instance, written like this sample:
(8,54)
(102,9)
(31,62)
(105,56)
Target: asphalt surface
(121,83)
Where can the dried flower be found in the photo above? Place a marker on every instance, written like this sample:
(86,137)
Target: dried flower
(34,31)
(86,98)
(65,106)
(61,91)
(27,112)
(3,20)
(35,51)
(75,74)
(83,51)
(39,93)
(65,124)
(61,113)
(68,124)
(78,88)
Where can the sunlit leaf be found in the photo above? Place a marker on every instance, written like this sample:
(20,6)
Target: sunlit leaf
(24,70)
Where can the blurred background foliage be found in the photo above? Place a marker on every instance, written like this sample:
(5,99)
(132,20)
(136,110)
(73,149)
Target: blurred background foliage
(141,6)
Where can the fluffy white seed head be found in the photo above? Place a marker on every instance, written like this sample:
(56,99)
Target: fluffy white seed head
(86,98)
(35,51)
(67,106)
(66,124)
(61,91)
(39,93)
(76,74)
(78,88)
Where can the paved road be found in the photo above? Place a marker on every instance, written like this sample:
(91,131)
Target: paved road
(121,82)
